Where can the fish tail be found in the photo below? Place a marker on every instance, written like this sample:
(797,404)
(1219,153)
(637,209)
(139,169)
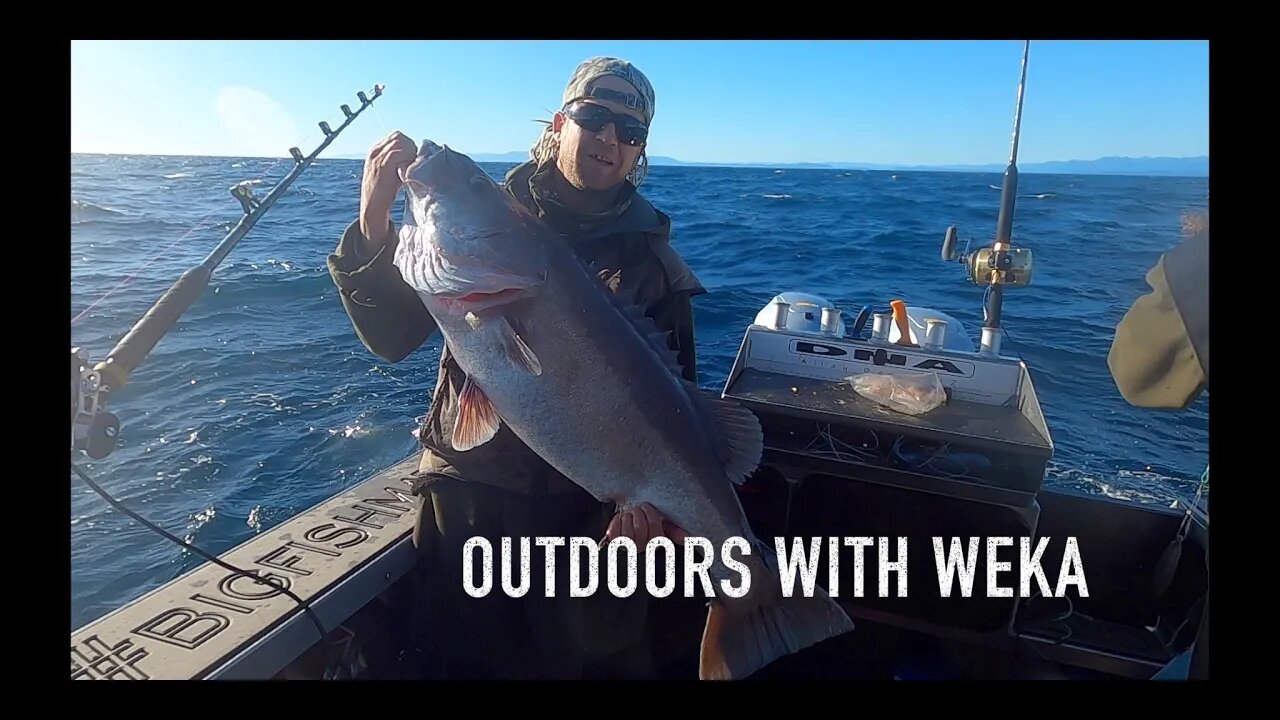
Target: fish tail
(743,635)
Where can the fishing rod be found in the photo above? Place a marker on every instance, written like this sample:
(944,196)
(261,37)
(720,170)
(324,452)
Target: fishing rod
(93,430)
(1000,265)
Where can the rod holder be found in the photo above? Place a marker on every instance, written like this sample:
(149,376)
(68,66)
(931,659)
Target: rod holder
(880,327)
(782,310)
(935,333)
(991,340)
(830,320)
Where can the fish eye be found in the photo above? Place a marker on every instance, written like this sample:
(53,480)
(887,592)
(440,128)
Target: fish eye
(479,183)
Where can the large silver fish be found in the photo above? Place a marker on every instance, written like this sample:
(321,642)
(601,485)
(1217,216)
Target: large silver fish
(588,383)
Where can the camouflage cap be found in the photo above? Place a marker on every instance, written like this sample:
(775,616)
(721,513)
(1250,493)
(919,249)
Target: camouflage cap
(594,68)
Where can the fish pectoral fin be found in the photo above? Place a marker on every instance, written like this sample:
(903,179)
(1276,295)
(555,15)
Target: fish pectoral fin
(477,420)
(518,351)
(737,429)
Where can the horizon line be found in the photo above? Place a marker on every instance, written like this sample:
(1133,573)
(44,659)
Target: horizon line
(352,156)
(726,163)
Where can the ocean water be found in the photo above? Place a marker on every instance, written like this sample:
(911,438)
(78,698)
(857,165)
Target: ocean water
(261,401)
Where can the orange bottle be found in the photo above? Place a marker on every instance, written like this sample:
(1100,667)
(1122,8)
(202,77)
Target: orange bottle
(900,317)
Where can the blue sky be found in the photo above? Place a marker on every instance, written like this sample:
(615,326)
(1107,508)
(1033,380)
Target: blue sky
(908,102)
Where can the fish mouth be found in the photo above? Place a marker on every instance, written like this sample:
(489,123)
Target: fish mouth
(463,282)
(427,149)
(412,175)
(459,270)
(476,301)
(485,296)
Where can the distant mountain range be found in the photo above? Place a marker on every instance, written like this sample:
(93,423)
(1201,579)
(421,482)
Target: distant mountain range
(1197,166)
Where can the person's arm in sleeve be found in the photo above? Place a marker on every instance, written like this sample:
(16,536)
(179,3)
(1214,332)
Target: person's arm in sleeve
(387,314)
(1160,354)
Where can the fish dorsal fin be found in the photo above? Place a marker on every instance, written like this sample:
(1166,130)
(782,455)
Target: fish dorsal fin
(734,430)
(738,437)
(657,337)
(623,294)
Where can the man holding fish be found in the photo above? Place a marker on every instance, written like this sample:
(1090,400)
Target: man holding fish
(567,400)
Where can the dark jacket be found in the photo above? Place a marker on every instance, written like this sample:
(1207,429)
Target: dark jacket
(1160,357)
(1160,354)
(631,241)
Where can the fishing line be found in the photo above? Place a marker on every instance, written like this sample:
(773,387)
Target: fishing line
(380,120)
(94,431)
(1195,502)
(306,606)
(845,452)
(199,225)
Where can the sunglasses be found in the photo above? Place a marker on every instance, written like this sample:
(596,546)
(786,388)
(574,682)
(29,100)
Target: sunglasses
(593,118)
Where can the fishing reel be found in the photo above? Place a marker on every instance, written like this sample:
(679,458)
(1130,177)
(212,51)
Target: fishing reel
(986,266)
(93,430)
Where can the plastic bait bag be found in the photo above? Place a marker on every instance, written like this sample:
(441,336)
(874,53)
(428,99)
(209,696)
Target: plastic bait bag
(914,394)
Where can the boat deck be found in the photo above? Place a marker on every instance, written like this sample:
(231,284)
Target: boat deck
(213,623)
